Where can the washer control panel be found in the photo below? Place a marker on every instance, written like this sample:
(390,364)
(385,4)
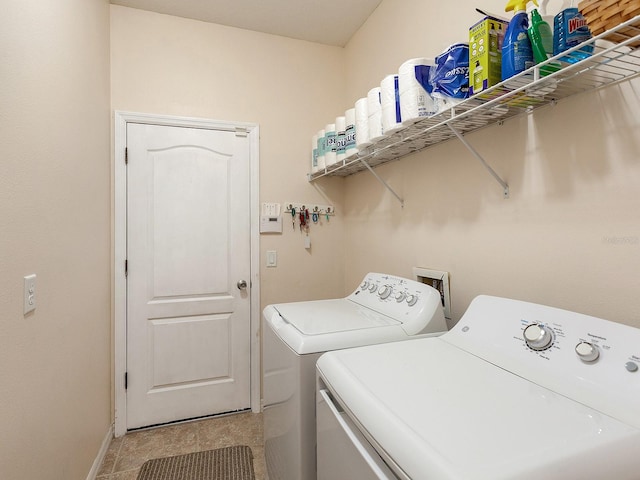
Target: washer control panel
(589,359)
(401,290)
(414,304)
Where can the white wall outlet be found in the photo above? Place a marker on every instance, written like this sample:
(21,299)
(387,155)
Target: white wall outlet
(29,293)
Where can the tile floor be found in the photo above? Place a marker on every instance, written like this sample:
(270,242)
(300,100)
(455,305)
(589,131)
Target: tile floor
(127,454)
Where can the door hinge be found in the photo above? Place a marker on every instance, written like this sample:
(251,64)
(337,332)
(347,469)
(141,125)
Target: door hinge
(126,268)
(126,380)
(126,156)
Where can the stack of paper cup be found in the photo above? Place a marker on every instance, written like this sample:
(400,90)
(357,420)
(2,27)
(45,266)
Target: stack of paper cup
(350,132)
(390,104)
(321,150)
(375,115)
(330,152)
(341,141)
(314,153)
(362,123)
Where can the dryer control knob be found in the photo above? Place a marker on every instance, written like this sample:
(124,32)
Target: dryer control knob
(373,287)
(412,300)
(587,352)
(384,292)
(400,296)
(364,285)
(538,337)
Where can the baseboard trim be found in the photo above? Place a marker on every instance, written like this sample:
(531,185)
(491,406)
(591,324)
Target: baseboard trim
(93,473)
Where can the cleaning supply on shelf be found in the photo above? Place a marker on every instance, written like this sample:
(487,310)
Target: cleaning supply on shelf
(330,152)
(545,14)
(375,115)
(390,104)
(416,101)
(350,133)
(362,123)
(485,53)
(569,30)
(517,54)
(314,153)
(341,142)
(541,38)
(321,149)
(450,77)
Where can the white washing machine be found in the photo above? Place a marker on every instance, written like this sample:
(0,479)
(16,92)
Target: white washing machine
(514,391)
(383,309)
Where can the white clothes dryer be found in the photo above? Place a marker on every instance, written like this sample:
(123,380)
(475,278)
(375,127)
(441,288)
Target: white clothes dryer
(383,309)
(515,391)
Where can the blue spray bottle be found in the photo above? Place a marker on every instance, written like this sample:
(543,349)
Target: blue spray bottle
(517,54)
(571,29)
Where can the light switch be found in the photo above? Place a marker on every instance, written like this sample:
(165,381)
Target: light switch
(272,258)
(29,293)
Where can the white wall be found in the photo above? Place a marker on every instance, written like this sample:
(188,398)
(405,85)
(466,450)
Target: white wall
(569,236)
(175,66)
(54,222)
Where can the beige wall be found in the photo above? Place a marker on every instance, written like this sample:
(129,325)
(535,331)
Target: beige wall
(54,222)
(174,66)
(569,236)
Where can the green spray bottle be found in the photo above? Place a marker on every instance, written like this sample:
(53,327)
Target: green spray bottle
(541,37)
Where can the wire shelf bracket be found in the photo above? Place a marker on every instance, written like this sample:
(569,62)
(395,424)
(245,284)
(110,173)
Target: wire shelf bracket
(386,185)
(474,152)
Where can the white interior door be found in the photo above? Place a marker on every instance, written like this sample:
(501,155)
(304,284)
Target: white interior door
(188,247)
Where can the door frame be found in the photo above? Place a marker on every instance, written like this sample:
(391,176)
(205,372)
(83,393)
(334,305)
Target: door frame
(250,130)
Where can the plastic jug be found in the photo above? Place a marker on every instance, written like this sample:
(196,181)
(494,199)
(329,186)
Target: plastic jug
(517,54)
(569,30)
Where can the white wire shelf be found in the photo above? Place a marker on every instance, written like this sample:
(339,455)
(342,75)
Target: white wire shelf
(609,64)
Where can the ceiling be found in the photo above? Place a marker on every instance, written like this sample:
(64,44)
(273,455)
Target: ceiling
(330,22)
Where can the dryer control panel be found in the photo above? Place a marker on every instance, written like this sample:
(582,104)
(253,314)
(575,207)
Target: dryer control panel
(588,359)
(412,303)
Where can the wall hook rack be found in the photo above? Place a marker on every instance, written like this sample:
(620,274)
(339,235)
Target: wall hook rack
(312,207)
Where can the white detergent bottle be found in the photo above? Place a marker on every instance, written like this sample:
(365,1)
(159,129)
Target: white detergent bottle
(545,14)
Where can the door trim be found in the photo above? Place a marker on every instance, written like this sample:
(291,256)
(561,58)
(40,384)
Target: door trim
(121,119)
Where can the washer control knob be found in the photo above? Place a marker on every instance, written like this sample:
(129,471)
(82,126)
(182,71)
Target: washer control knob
(538,337)
(400,296)
(384,292)
(364,285)
(412,299)
(587,352)
(373,287)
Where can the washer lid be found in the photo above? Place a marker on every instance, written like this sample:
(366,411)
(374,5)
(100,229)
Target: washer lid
(319,326)
(331,316)
(436,411)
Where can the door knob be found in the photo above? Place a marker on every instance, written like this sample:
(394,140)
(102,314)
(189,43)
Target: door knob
(242,285)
